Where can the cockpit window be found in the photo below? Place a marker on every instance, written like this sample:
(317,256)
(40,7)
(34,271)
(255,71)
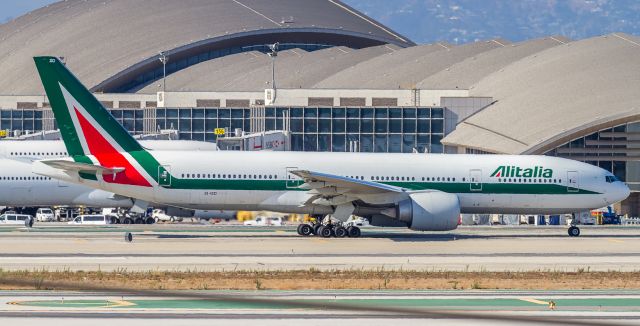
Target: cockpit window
(611,178)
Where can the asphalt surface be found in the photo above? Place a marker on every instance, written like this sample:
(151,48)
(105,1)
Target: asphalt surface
(75,308)
(228,247)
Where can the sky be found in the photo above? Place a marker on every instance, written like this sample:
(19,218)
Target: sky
(462,21)
(13,8)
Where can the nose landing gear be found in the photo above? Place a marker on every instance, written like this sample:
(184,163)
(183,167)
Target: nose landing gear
(573,231)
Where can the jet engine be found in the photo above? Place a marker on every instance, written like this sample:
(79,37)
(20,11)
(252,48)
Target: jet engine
(428,211)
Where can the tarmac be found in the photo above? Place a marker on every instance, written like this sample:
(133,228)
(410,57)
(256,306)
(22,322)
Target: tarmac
(76,308)
(186,247)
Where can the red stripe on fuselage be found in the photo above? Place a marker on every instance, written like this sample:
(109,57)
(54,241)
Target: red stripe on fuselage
(109,157)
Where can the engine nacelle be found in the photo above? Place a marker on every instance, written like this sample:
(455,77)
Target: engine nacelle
(430,211)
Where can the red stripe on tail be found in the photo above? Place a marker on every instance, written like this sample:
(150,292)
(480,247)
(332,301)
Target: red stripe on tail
(109,157)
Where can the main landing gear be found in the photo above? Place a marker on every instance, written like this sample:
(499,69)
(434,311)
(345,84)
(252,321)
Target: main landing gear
(328,230)
(573,231)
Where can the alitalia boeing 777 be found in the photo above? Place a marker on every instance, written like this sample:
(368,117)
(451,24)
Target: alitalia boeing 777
(424,191)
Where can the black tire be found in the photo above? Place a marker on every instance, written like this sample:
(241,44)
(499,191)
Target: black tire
(305,229)
(325,232)
(574,231)
(354,232)
(139,220)
(114,220)
(299,229)
(150,220)
(340,232)
(127,220)
(315,228)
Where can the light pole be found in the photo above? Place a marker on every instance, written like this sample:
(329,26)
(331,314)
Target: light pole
(273,54)
(163,58)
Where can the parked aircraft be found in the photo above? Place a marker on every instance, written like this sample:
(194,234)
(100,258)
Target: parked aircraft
(20,187)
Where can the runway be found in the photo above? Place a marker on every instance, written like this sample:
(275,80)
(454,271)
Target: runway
(74,308)
(231,247)
(183,247)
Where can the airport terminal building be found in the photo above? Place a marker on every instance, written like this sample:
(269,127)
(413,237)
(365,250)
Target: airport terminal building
(340,81)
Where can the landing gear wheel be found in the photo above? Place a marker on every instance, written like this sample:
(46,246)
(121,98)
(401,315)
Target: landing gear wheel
(574,231)
(305,229)
(341,232)
(316,228)
(325,232)
(354,232)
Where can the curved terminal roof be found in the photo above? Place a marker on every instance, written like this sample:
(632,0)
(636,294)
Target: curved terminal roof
(251,71)
(403,69)
(465,74)
(556,95)
(107,42)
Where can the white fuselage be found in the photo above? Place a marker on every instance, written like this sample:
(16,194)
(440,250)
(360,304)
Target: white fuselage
(232,180)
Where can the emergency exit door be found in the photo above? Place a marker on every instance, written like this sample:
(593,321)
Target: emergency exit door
(475,180)
(164,175)
(293,181)
(572,181)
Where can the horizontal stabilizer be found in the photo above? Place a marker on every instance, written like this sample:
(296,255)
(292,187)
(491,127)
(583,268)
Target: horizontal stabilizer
(71,166)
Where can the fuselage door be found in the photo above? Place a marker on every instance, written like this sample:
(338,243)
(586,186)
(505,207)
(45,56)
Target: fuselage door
(293,181)
(572,181)
(164,175)
(475,180)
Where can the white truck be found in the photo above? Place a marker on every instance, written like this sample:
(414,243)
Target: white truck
(45,215)
(13,218)
(91,220)
(265,221)
(159,215)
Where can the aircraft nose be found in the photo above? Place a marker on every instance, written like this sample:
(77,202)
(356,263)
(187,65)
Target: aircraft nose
(624,191)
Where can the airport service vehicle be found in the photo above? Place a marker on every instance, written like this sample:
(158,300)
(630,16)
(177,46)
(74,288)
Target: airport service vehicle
(265,221)
(45,215)
(13,218)
(357,221)
(159,215)
(91,220)
(425,192)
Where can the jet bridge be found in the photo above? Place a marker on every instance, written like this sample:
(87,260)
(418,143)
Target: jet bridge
(276,140)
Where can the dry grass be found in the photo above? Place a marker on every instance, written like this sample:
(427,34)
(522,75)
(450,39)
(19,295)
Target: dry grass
(316,279)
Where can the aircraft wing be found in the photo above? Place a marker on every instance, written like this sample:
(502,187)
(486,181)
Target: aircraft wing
(71,166)
(330,184)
